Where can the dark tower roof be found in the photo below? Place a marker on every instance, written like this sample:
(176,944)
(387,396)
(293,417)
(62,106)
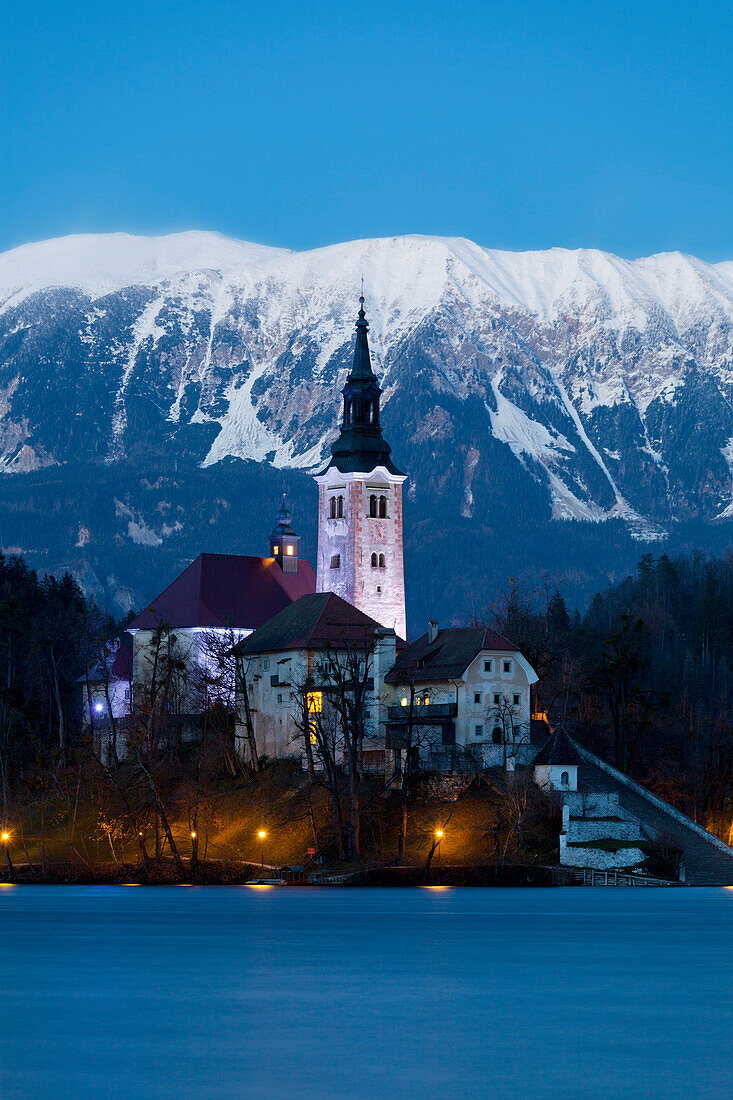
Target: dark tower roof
(360,446)
(283,522)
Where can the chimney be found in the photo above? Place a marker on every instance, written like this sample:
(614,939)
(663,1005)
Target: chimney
(432,630)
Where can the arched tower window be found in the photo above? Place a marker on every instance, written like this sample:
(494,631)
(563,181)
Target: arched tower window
(372,505)
(375,561)
(381,561)
(332,510)
(565,780)
(340,507)
(497,735)
(383,507)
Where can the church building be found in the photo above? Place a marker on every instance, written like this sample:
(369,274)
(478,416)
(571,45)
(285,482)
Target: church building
(360,503)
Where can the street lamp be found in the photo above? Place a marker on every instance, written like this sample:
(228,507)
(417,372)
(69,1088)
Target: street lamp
(262,834)
(5,836)
(438,837)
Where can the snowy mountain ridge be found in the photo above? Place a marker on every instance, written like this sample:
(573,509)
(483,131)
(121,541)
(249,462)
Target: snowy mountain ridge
(559,385)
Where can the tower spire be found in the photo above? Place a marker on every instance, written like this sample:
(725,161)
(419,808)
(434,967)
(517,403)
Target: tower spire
(361,370)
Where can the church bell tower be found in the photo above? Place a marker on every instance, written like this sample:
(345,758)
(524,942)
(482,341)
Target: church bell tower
(360,503)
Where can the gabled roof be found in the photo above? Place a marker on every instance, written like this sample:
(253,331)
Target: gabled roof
(448,657)
(320,621)
(227,590)
(559,749)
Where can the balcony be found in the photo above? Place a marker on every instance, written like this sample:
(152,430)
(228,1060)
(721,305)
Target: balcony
(425,713)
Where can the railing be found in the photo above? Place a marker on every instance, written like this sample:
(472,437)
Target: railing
(589,876)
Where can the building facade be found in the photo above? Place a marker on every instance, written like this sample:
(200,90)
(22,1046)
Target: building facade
(360,537)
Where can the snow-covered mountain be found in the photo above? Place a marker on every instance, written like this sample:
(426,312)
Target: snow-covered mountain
(520,388)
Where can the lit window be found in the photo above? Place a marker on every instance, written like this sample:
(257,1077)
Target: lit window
(515,699)
(290,550)
(313,731)
(403,701)
(426,700)
(276,550)
(488,665)
(507,666)
(477,696)
(315,702)
(478,731)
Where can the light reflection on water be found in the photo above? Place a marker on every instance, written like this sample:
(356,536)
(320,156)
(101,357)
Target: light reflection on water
(261,992)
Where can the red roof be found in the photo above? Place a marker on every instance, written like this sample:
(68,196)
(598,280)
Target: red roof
(227,590)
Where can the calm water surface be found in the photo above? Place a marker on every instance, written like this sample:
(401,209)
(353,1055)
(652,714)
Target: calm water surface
(217,992)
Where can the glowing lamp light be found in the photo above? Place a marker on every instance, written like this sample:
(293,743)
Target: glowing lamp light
(99,707)
(193,835)
(262,834)
(439,833)
(6,838)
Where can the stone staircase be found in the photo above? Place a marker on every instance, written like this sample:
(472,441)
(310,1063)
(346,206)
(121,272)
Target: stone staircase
(706,860)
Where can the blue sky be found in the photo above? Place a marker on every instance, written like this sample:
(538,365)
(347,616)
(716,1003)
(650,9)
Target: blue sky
(517,124)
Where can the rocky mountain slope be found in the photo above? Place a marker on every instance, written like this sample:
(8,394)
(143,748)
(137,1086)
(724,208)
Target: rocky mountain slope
(555,410)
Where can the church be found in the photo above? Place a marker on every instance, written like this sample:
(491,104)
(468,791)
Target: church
(455,697)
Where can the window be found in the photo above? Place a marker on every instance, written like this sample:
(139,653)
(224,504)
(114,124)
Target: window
(375,561)
(340,507)
(383,507)
(265,663)
(403,701)
(381,561)
(372,505)
(497,735)
(564,780)
(478,731)
(289,550)
(275,551)
(314,699)
(497,699)
(507,666)
(336,561)
(477,696)
(488,666)
(426,700)
(279,699)
(515,700)
(332,510)
(379,588)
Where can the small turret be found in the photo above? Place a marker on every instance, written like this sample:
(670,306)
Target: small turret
(284,541)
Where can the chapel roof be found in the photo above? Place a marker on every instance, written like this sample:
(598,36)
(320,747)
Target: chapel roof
(319,621)
(559,749)
(448,656)
(227,590)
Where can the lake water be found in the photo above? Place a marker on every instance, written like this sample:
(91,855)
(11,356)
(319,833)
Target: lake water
(242,992)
